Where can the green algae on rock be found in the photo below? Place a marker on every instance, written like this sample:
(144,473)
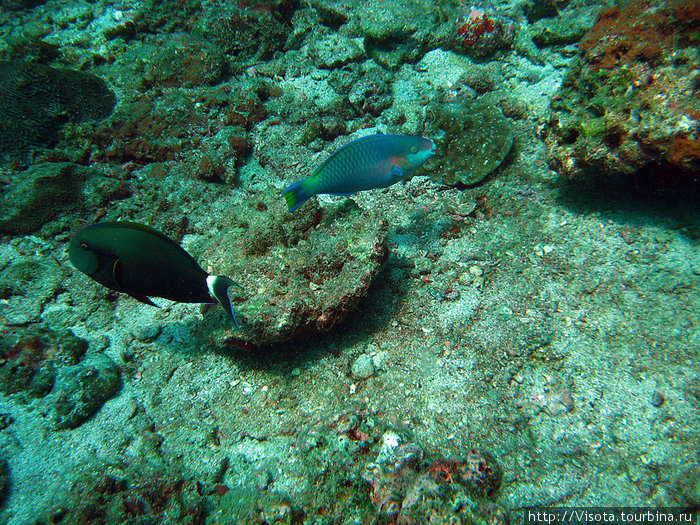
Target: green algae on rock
(473,139)
(303,273)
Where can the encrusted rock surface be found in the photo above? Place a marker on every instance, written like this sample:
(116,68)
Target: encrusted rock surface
(39,193)
(631,100)
(54,368)
(474,139)
(301,273)
(36,100)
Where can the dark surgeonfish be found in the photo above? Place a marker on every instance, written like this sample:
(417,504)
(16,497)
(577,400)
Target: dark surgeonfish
(142,262)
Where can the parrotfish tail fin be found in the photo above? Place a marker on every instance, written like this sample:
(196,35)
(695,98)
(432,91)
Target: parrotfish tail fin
(296,195)
(218,287)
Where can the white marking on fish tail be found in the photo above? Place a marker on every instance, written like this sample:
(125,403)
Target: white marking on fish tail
(210,284)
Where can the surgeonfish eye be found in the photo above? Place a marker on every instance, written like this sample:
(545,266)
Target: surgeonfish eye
(84,245)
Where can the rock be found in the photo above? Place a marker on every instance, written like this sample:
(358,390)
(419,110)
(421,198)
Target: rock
(535,10)
(630,102)
(39,193)
(144,128)
(81,390)
(379,360)
(335,50)
(376,19)
(473,139)
(182,61)
(568,28)
(481,31)
(155,493)
(382,20)
(657,399)
(393,32)
(19,4)
(371,94)
(147,333)
(363,367)
(31,359)
(300,273)
(36,100)
(404,486)
(48,365)
(26,285)
(246,36)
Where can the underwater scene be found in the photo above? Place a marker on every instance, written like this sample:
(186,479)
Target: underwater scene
(354,262)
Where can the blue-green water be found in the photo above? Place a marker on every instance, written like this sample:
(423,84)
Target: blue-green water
(515,326)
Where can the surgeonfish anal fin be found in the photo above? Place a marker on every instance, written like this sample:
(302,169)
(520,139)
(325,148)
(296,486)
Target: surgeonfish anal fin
(218,286)
(144,300)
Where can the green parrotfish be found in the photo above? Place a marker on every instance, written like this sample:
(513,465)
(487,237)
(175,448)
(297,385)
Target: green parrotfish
(140,261)
(375,161)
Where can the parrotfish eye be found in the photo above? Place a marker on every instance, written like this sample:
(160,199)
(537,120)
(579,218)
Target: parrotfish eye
(414,149)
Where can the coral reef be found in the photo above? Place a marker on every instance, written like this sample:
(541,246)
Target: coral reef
(631,100)
(473,139)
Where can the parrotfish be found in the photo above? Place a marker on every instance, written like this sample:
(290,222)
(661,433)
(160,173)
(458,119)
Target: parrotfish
(376,161)
(140,261)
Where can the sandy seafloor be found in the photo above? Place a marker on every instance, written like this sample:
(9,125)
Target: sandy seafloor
(556,328)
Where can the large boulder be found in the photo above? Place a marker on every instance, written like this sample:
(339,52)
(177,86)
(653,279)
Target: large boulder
(631,100)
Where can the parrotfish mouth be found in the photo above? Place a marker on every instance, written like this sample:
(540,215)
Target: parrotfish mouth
(433,148)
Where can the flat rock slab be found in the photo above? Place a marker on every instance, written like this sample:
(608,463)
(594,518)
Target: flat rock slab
(473,139)
(300,273)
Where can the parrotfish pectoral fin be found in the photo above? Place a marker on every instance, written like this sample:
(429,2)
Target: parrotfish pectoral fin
(218,286)
(397,172)
(296,195)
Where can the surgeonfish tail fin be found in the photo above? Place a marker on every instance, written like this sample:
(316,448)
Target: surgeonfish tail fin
(218,286)
(296,195)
